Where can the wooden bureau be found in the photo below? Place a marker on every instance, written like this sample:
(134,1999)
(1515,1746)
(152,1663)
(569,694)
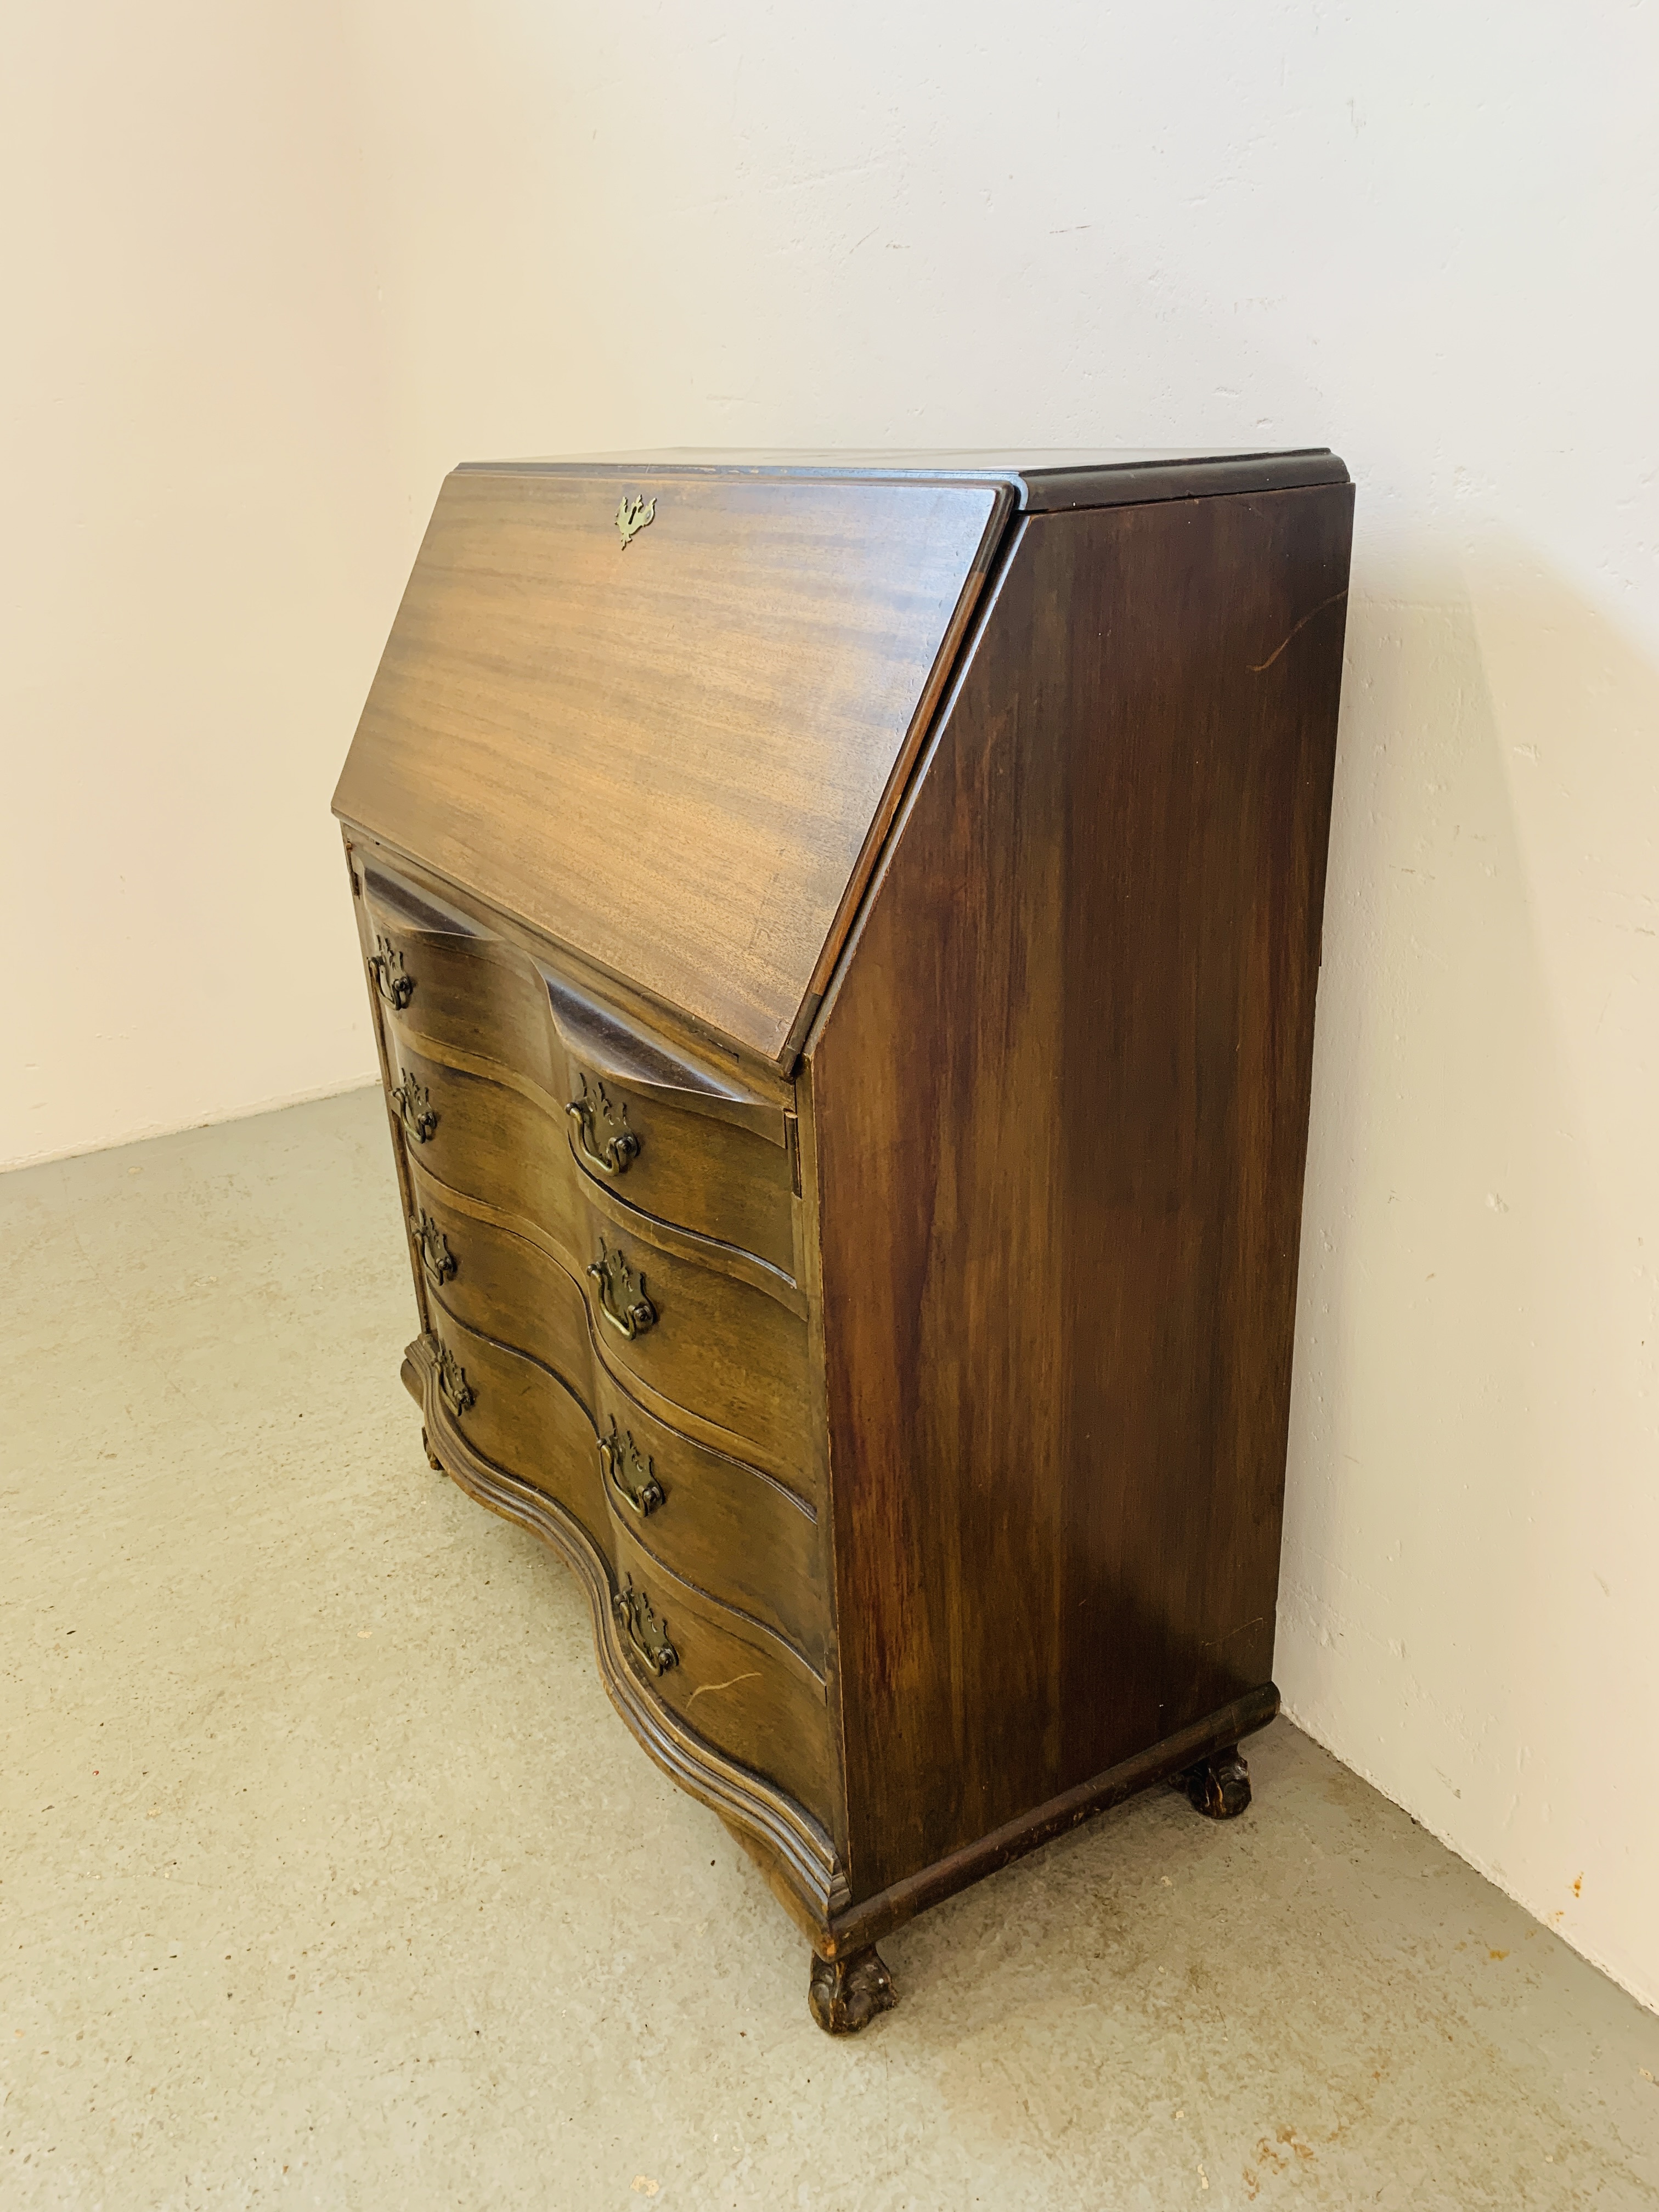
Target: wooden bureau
(843,935)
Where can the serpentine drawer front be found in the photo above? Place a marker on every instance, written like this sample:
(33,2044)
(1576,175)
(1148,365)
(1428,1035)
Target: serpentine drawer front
(673,1140)
(705,1331)
(448,986)
(842,936)
(721,1522)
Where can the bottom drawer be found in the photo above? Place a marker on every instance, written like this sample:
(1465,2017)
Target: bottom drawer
(744,1691)
(741,1688)
(514,1412)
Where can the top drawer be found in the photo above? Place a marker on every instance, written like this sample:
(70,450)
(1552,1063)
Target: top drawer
(442,977)
(629,1112)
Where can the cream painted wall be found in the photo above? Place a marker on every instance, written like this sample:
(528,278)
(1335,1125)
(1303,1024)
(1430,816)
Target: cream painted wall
(204,544)
(1421,233)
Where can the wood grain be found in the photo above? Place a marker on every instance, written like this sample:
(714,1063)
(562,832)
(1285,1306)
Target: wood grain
(723,1524)
(522,1417)
(797,1846)
(727,1528)
(467,991)
(636,1037)
(742,1689)
(963,1399)
(1066,477)
(482,1009)
(675,757)
(1060,1100)
(748,1691)
(729,1343)
(875,1917)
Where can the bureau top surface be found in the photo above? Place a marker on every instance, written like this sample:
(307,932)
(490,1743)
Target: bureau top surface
(1040,479)
(666,727)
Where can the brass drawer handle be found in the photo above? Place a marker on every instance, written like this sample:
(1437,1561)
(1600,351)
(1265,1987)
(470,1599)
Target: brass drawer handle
(622,1299)
(386,965)
(438,1262)
(457,1393)
(639,1624)
(414,1108)
(629,1472)
(592,1111)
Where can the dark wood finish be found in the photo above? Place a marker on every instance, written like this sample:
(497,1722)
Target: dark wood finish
(913,1408)
(1060,1226)
(502,1286)
(687,1169)
(794,1841)
(466,991)
(844,1994)
(684,1145)
(729,1331)
(719,1522)
(1219,1786)
(741,1688)
(724,1525)
(634,1038)
(1040,482)
(873,1918)
(729,1343)
(520,1413)
(674,757)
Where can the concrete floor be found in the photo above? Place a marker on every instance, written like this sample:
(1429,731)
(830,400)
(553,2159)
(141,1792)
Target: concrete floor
(330,1877)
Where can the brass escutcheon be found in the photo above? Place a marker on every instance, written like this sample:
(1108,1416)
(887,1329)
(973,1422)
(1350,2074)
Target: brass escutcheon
(629,1472)
(438,1262)
(457,1393)
(620,1294)
(647,1635)
(386,965)
(614,1152)
(415,1108)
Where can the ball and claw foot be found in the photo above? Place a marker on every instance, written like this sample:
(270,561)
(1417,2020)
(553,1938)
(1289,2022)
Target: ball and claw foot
(1219,1786)
(845,1994)
(432,1458)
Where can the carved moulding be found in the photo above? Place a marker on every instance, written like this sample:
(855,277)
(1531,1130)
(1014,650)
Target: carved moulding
(788,1836)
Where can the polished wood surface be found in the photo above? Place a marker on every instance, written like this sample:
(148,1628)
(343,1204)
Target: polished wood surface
(749,1691)
(1040,482)
(790,1841)
(1060,1226)
(492,1280)
(604,1018)
(856,1227)
(751,1539)
(515,1412)
(1170,1759)
(675,755)
(665,1138)
(445,981)
(724,1525)
(726,1330)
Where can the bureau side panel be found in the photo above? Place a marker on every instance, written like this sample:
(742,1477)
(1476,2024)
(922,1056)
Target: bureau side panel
(1060,1099)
